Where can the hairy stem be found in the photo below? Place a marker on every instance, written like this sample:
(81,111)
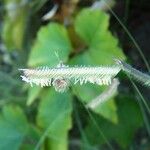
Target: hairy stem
(134,73)
(106,95)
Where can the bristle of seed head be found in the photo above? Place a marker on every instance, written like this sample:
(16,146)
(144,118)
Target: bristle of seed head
(60,76)
(139,76)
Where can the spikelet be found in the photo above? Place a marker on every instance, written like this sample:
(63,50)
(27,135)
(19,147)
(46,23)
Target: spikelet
(61,76)
(134,73)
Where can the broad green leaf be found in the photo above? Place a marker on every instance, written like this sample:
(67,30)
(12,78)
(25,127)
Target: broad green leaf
(92,27)
(108,110)
(104,48)
(13,128)
(89,22)
(33,94)
(130,119)
(59,144)
(54,116)
(82,59)
(89,91)
(51,39)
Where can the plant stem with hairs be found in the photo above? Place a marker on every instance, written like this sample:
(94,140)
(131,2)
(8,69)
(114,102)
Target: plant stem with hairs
(62,76)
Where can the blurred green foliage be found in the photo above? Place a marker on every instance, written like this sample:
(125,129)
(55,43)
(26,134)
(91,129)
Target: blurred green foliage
(13,127)
(123,131)
(44,123)
(15,23)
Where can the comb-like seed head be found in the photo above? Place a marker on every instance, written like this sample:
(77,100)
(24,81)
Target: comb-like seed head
(61,76)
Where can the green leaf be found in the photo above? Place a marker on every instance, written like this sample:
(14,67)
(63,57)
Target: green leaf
(33,94)
(59,144)
(54,116)
(108,110)
(92,27)
(86,92)
(13,128)
(88,22)
(51,38)
(130,119)
(104,48)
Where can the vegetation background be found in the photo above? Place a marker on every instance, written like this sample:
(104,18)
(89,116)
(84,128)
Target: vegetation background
(83,32)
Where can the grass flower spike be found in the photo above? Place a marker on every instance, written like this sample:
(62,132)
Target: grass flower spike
(134,73)
(62,76)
